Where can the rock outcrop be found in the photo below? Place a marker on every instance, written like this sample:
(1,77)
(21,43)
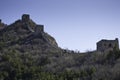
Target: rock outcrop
(2,25)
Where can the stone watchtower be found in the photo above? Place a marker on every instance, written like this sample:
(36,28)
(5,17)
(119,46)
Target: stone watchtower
(39,28)
(25,17)
(107,45)
(32,26)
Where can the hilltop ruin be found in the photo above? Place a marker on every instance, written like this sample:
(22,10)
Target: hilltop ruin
(34,28)
(107,45)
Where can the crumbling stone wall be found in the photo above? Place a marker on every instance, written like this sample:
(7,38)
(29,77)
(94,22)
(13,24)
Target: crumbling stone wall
(39,28)
(107,45)
(32,26)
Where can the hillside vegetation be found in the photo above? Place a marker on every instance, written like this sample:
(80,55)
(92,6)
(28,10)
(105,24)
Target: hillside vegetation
(27,55)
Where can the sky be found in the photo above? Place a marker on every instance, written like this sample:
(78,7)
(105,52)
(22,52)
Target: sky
(75,24)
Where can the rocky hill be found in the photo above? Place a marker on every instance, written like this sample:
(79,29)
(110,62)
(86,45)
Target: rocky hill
(25,34)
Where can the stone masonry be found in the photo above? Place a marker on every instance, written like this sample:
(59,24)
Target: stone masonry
(34,28)
(107,45)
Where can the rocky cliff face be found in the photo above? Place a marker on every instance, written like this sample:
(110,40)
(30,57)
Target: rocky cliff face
(26,35)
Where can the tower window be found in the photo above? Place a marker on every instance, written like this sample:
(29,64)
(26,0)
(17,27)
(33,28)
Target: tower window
(110,45)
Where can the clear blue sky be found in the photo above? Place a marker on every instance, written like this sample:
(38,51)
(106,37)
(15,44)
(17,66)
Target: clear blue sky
(75,24)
